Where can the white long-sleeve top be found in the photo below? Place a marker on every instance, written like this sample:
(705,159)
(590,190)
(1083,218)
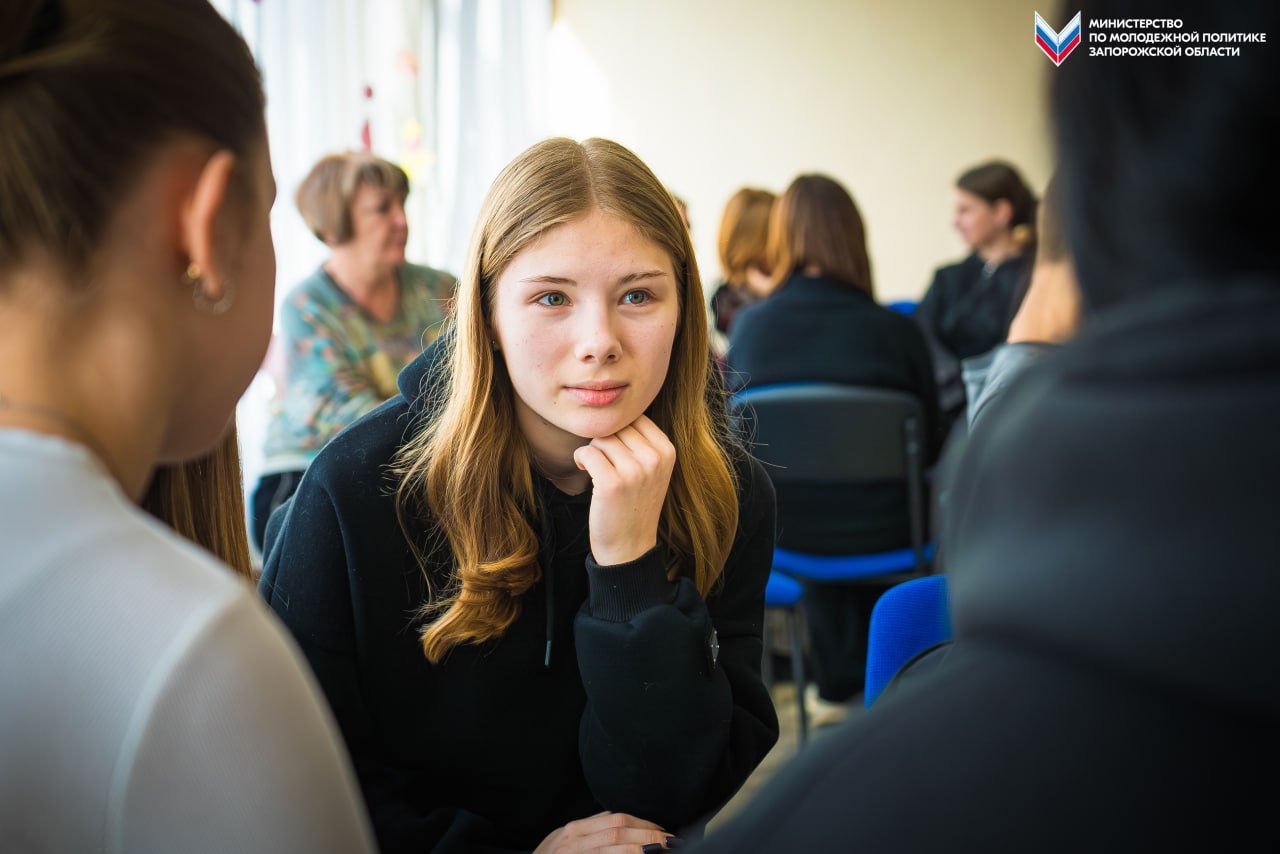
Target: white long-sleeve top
(148,701)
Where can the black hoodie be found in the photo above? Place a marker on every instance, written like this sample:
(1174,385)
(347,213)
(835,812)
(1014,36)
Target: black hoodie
(610,691)
(1115,591)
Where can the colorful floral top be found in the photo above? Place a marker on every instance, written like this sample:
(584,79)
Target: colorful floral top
(340,362)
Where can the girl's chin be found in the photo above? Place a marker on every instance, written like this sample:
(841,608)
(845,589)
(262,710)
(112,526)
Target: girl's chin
(596,428)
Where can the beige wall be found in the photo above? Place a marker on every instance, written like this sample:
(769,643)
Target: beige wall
(891,98)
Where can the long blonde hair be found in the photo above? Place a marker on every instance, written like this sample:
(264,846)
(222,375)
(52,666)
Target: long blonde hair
(467,471)
(203,500)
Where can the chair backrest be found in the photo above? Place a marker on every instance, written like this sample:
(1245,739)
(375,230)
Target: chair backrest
(824,433)
(828,433)
(908,619)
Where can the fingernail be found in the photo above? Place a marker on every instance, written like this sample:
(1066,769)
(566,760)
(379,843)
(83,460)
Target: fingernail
(674,842)
(651,848)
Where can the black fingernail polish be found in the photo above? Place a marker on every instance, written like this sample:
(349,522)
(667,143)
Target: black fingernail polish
(675,842)
(651,848)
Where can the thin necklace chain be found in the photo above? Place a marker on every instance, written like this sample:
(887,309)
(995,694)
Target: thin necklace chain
(82,434)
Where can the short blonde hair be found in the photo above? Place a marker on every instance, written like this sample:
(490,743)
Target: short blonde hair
(744,232)
(324,197)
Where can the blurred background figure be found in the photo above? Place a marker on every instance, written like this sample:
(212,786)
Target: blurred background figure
(348,329)
(683,207)
(1050,315)
(744,233)
(967,308)
(825,299)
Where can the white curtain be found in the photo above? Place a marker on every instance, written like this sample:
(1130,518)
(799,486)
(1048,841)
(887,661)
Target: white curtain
(449,89)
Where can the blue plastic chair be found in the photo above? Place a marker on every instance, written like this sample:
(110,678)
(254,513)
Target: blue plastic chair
(831,434)
(784,594)
(823,433)
(908,619)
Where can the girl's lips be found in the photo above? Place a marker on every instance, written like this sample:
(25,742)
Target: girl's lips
(596,396)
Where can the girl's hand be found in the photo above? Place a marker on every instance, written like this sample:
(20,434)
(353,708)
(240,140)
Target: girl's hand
(630,472)
(612,832)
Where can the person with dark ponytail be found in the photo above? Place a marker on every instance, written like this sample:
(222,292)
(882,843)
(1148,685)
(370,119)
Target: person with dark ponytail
(150,701)
(967,309)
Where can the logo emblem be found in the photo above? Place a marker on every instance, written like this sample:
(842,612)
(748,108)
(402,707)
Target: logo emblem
(1058,45)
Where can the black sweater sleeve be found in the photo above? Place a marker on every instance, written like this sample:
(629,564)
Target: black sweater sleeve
(677,715)
(309,580)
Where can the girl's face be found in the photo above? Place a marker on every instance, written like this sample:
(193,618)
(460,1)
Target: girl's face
(978,221)
(585,318)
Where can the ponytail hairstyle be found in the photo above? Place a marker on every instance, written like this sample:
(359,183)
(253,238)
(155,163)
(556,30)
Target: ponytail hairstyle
(998,180)
(467,472)
(88,90)
(203,501)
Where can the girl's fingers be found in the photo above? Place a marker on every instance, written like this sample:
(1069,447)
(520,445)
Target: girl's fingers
(621,839)
(596,463)
(639,447)
(654,436)
(620,456)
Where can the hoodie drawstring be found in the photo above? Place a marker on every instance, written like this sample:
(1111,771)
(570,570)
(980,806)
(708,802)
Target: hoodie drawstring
(546,554)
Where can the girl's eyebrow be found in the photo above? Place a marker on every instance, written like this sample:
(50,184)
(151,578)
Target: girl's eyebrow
(625,280)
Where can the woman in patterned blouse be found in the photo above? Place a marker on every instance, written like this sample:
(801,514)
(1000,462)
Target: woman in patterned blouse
(349,327)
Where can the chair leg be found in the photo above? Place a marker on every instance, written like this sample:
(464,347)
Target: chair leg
(797,673)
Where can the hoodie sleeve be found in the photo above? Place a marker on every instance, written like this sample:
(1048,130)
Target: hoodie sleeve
(677,714)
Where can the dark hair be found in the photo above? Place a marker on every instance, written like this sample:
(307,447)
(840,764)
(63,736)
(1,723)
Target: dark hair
(90,88)
(325,196)
(998,180)
(817,222)
(1168,166)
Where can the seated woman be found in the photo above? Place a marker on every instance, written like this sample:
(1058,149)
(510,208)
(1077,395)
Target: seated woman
(744,229)
(150,702)
(967,309)
(535,592)
(350,327)
(823,324)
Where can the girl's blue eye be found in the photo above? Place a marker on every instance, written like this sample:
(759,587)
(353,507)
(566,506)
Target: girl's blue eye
(636,298)
(553,299)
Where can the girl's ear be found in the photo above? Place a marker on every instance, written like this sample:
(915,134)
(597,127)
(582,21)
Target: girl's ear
(1004,212)
(200,214)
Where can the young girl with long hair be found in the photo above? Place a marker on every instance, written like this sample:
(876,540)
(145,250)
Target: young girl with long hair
(150,702)
(532,585)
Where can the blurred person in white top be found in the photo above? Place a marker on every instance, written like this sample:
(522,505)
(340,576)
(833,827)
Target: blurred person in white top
(150,702)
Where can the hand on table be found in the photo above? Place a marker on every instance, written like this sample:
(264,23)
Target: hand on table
(630,472)
(609,832)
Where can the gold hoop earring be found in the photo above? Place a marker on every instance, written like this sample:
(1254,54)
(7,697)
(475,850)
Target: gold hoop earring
(194,278)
